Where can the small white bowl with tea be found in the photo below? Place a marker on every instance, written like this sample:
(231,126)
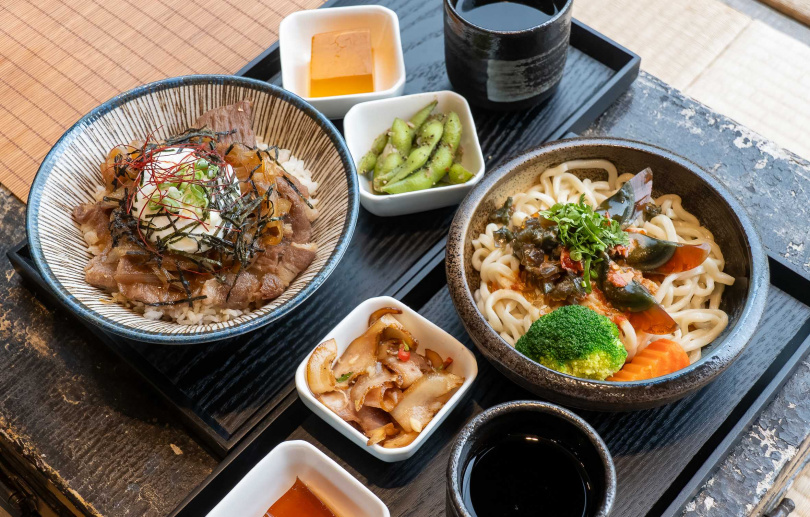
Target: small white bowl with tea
(337,57)
(297,479)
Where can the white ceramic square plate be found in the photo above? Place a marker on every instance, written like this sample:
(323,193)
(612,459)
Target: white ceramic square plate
(364,122)
(276,473)
(428,335)
(295,41)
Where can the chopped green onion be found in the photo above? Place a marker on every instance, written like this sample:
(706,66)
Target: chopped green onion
(585,233)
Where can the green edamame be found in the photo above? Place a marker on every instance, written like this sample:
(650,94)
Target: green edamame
(429,136)
(458,174)
(439,164)
(401,136)
(369,160)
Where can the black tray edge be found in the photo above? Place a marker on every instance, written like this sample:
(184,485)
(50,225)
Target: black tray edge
(204,429)
(726,438)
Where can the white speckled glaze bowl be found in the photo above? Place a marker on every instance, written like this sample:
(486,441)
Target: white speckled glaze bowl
(70,175)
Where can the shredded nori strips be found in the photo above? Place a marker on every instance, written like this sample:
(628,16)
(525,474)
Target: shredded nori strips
(246,216)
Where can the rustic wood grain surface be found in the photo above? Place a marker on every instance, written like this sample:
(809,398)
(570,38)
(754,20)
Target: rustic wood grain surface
(751,478)
(61,58)
(79,416)
(798,9)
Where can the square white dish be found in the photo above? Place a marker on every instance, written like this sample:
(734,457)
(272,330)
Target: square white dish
(428,335)
(276,473)
(364,122)
(295,41)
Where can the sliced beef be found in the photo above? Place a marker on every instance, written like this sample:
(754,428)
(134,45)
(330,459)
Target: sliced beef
(100,272)
(272,287)
(296,259)
(279,265)
(298,185)
(300,216)
(94,223)
(245,291)
(138,282)
(237,118)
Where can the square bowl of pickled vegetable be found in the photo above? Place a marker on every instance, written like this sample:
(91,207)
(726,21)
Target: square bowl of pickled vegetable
(297,479)
(414,153)
(337,57)
(385,377)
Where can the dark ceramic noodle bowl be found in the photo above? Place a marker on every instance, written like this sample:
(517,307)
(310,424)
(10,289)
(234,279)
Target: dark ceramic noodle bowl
(702,195)
(70,175)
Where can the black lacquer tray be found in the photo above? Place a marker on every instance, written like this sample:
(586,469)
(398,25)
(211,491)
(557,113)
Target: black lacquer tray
(223,389)
(237,396)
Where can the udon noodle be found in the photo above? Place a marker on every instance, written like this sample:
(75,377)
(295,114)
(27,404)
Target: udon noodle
(692,297)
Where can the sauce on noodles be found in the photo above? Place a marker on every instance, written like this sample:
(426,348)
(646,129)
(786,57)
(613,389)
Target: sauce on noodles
(691,298)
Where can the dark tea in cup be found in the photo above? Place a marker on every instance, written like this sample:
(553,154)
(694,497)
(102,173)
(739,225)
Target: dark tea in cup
(508,16)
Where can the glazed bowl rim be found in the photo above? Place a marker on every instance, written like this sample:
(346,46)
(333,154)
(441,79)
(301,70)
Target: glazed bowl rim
(135,333)
(455,469)
(663,388)
(521,32)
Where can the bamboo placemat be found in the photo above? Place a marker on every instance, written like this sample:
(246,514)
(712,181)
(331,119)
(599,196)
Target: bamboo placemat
(61,58)
(676,39)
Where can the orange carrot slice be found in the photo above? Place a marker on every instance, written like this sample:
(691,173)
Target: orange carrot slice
(661,357)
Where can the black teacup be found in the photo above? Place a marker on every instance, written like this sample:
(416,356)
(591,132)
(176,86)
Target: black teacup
(529,458)
(506,55)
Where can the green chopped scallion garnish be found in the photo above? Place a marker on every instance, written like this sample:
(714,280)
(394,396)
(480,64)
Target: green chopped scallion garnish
(586,234)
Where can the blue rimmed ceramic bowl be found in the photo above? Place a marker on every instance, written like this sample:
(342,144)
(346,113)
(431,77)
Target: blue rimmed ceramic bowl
(70,175)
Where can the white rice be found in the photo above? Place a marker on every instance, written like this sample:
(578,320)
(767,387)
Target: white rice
(200,313)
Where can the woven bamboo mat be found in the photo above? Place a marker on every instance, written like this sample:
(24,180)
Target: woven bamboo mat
(738,66)
(676,39)
(61,58)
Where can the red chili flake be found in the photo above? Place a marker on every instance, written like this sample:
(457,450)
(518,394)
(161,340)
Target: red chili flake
(616,277)
(403,355)
(621,250)
(575,266)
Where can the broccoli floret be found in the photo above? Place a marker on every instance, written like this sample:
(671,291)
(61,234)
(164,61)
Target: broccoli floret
(575,340)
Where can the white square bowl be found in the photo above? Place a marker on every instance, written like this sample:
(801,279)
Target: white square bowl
(276,473)
(429,336)
(295,41)
(364,122)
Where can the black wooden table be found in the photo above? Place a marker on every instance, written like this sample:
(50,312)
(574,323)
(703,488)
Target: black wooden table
(74,421)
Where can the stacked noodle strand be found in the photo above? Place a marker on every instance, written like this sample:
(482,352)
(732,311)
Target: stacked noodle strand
(692,298)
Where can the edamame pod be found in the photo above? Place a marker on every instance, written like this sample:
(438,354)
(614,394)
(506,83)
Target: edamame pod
(369,160)
(439,164)
(421,117)
(401,136)
(429,136)
(387,165)
(458,174)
